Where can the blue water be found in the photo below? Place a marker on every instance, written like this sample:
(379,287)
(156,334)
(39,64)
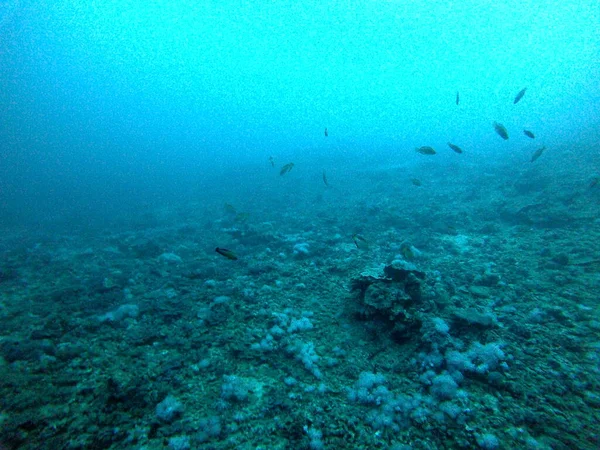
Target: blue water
(137,137)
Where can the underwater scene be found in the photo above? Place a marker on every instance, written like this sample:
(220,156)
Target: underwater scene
(299,225)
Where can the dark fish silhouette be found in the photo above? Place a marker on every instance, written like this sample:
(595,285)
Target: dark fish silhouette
(529,134)
(501,130)
(457,98)
(519,95)
(326,133)
(325,179)
(272,161)
(360,242)
(407,251)
(285,169)
(226,253)
(416,182)
(229,209)
(537,153)
(456,148)
(425,150)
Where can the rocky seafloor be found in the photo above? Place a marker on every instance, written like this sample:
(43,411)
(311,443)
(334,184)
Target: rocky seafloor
(468,317)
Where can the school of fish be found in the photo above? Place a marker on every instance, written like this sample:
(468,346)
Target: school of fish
(359,241)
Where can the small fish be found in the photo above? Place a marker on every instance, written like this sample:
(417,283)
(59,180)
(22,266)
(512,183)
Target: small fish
(325,178)
(326,132)
(407,251)
(537,153)
(594,182)
(425,150)
(229,209)
(456,148)
(519,95)
(285,169)
(529,134)
(416,181)
(272,161)
(360,242)
(501,130)
(242,217)
(457,98)
(450,229)
(226,253)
